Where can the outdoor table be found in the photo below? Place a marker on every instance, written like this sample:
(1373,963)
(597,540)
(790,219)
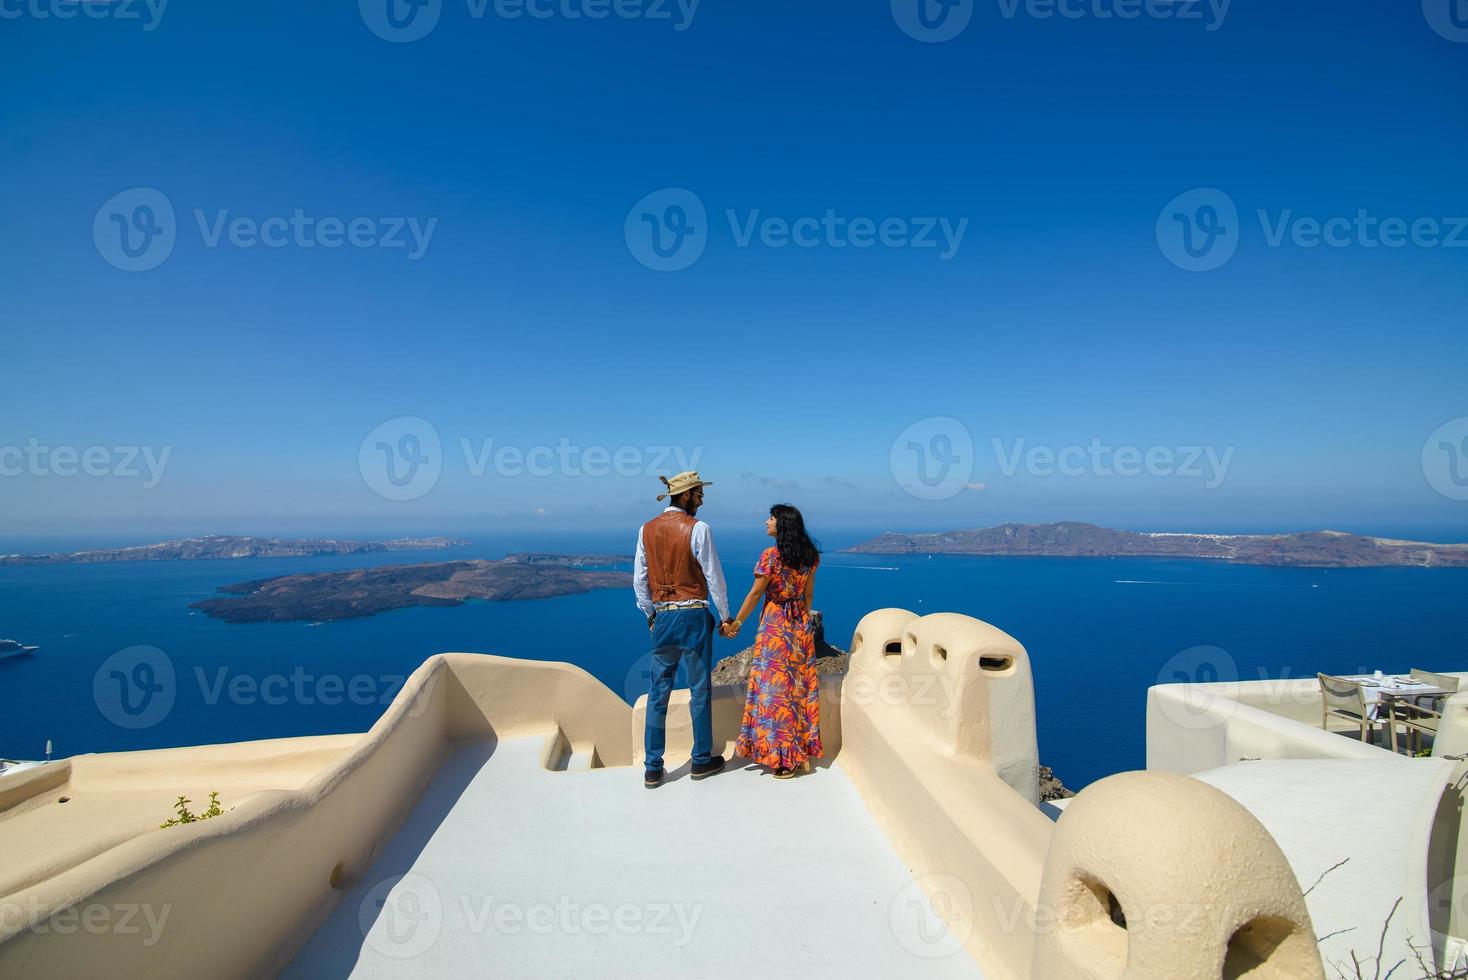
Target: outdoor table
(1379,694)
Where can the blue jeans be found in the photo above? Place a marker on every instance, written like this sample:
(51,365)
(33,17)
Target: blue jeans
(676,634)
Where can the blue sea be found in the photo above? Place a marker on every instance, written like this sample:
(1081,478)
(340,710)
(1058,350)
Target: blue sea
(1098,631)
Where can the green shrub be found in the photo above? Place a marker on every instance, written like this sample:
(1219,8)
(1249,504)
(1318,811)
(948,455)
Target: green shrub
(187,816)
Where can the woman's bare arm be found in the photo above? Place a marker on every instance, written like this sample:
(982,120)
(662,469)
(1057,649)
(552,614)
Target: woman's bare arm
(757,590)
(810,591)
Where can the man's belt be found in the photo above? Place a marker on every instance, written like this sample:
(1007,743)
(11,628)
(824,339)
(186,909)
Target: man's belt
(684,604)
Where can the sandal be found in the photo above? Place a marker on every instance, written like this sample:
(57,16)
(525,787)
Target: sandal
(784,773)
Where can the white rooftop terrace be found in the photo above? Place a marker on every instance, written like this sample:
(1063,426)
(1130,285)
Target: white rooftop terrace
(493,821)
(505,869)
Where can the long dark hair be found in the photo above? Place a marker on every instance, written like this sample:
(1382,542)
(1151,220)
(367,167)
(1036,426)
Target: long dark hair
(796,547)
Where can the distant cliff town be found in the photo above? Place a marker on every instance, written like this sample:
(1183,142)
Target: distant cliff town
(232,546)
(1311,549)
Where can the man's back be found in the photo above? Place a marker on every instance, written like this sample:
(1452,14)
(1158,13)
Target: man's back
(673,570)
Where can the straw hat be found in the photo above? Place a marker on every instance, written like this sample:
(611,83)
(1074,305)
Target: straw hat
(682,483)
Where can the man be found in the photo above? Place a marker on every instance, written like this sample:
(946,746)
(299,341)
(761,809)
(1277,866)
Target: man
(676,576)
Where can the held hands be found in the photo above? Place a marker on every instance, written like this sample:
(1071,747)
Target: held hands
(728,629)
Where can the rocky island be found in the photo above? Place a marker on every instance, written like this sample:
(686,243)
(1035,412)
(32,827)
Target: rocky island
(568,561)
(360,592)
(234,546)
(1068,539)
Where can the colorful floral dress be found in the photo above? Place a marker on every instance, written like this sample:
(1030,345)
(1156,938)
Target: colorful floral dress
(782,710)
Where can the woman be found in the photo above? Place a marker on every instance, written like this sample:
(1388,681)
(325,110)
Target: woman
(781,726)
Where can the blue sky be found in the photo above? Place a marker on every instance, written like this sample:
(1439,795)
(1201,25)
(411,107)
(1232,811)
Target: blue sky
(1059,321)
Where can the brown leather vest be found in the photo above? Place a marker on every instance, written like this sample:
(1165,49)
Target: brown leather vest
(673,573)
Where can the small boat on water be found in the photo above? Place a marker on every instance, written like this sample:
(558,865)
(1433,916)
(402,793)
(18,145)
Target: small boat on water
(11,766)
(14,648)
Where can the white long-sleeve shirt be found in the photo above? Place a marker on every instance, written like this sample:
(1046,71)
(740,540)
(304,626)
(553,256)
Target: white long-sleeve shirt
(702,542)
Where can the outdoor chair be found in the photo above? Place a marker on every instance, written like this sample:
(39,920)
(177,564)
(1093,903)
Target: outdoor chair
(1448,682)
(1422,715)
(1341,697)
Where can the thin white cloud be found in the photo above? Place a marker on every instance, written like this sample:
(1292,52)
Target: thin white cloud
(772,482)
